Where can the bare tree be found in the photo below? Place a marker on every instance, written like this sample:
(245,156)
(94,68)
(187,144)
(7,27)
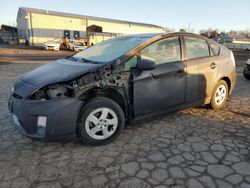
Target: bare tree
(233,32)
(245,33)
(210,33)
(168,29)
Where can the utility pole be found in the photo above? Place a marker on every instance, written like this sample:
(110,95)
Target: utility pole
(189,26)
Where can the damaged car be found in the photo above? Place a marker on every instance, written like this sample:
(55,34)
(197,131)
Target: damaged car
(92,94)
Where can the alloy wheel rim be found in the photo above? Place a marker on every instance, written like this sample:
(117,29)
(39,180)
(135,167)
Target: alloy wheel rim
(220,95)
(101,123)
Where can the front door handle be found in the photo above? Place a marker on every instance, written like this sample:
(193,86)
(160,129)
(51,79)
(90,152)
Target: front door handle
(213,65)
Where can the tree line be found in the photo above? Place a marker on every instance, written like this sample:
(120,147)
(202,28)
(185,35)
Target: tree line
(212,33)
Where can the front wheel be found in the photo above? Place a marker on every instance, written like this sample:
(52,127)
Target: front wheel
(101,121)
(220,95)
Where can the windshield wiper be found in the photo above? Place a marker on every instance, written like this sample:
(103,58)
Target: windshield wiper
(90,61)
(77,59)
(83,59)
(71,58)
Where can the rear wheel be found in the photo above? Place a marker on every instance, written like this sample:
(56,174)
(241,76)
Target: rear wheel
(101,121)
(220,95)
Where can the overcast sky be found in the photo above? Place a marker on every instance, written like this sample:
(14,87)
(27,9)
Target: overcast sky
(200,14)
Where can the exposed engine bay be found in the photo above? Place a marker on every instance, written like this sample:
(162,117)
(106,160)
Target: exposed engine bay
(102,78)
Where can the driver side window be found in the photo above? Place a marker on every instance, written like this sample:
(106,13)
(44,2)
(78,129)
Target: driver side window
(163,51)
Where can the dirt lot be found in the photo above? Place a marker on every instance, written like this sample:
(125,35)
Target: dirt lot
(12,54)
(197,147)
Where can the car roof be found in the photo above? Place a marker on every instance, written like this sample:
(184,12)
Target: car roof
(152,35)
(143,35)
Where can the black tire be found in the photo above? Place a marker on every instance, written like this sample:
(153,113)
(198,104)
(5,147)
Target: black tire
(247,76)
(213,103)
(93,104)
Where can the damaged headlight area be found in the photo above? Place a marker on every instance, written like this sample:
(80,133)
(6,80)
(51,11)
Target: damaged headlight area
(51,92)
(76,87)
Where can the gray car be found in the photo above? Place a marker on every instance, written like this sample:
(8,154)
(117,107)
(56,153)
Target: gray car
(92,94)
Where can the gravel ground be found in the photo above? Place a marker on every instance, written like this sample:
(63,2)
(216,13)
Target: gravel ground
(197,147)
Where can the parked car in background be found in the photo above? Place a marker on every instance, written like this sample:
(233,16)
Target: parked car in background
(246,71)
(94,92)
(77,45)
(51,45)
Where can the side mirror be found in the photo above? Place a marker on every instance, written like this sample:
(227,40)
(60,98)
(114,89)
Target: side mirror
(146,64)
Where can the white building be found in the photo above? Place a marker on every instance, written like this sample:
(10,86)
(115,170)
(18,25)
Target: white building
(37,26)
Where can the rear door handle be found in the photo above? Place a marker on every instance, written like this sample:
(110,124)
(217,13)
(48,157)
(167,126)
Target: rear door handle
(213,65)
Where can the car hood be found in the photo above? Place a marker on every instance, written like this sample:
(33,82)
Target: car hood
(59,71)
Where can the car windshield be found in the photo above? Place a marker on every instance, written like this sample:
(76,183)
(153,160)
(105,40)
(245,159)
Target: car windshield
(110,49)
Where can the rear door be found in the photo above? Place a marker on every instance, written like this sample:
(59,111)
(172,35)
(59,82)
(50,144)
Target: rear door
(202,68)
(163,87)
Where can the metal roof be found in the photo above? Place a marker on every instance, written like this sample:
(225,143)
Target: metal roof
(55,13)
(8,27)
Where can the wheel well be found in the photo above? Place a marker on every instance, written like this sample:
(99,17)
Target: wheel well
(228,81)
(108,93)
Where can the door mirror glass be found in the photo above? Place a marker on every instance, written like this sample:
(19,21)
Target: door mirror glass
(146,64)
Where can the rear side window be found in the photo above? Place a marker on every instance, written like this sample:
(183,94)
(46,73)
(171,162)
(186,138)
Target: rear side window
(163,51)
(215,49)
(196,47)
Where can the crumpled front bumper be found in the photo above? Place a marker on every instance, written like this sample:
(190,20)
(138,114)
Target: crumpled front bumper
(61,117)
